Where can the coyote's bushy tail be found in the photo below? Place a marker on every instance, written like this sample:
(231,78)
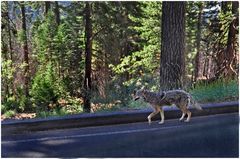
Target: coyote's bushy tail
(194,103)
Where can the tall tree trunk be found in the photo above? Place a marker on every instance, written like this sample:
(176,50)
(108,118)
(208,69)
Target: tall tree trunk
(5,85)
(235,63)
(10,37)
(198,64)
(88,58)
(25,51)
(57,20)
(124,34)
(57,13)
(231,42)
(47,7)
(172,64)
(227,57)
(10,51)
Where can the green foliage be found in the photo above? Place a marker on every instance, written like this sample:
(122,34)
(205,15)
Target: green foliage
(23,102)
(43,35)
(69,105)
(139,104)
(46,88)
(17,102)
(57,50)
(54,112)
(218,91)
(224,22)
(141,65)
(10,103)
(191,33)
(126,45)
(150,81)
(146,60)
(73,105)
(66,44)
(9,114)
(7,71)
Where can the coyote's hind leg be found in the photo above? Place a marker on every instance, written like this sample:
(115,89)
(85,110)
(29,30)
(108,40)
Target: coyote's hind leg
(162,116)
(189,116)
(182,117)
(185,111)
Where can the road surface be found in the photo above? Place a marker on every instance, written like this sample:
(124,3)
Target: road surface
(206,136)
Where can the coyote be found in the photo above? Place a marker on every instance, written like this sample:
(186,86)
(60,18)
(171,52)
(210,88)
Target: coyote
(180,98)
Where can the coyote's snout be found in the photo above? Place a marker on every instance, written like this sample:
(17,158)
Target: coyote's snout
(136,98)
(179,98)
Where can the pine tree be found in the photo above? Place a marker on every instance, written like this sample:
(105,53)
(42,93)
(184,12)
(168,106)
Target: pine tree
(25,51)
(88,58)
(172,64)
(231,43)
(56,11)
(198,64)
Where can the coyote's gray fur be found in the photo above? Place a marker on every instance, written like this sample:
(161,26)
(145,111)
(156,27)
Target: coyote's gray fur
(179,98)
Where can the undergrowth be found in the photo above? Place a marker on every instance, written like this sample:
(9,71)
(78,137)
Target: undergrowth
(215,92)
(218,91)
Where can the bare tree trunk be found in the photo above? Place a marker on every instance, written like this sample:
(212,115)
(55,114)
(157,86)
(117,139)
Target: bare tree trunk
(227,56)
(10,40)
(5,84)
(57,20)
(25,51)
(57,13)
(172,64)
(47,7)
(231,43)
(88,58)
(198,64)
(10,49)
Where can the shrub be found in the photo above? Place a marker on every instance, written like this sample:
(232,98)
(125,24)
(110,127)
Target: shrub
(46,88)
(18,102)
(10,103)
(71,105)
(9,113)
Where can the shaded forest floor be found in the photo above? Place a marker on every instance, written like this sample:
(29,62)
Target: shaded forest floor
(19,116)
(219,91)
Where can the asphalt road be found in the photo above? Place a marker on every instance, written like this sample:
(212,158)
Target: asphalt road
(206,136)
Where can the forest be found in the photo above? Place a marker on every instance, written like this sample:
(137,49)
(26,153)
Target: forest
(60,58)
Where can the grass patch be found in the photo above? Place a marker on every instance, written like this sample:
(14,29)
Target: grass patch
(218,91)
(139,104)
(54,112)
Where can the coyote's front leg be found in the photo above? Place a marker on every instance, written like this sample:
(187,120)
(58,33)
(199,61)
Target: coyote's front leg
(152,115)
